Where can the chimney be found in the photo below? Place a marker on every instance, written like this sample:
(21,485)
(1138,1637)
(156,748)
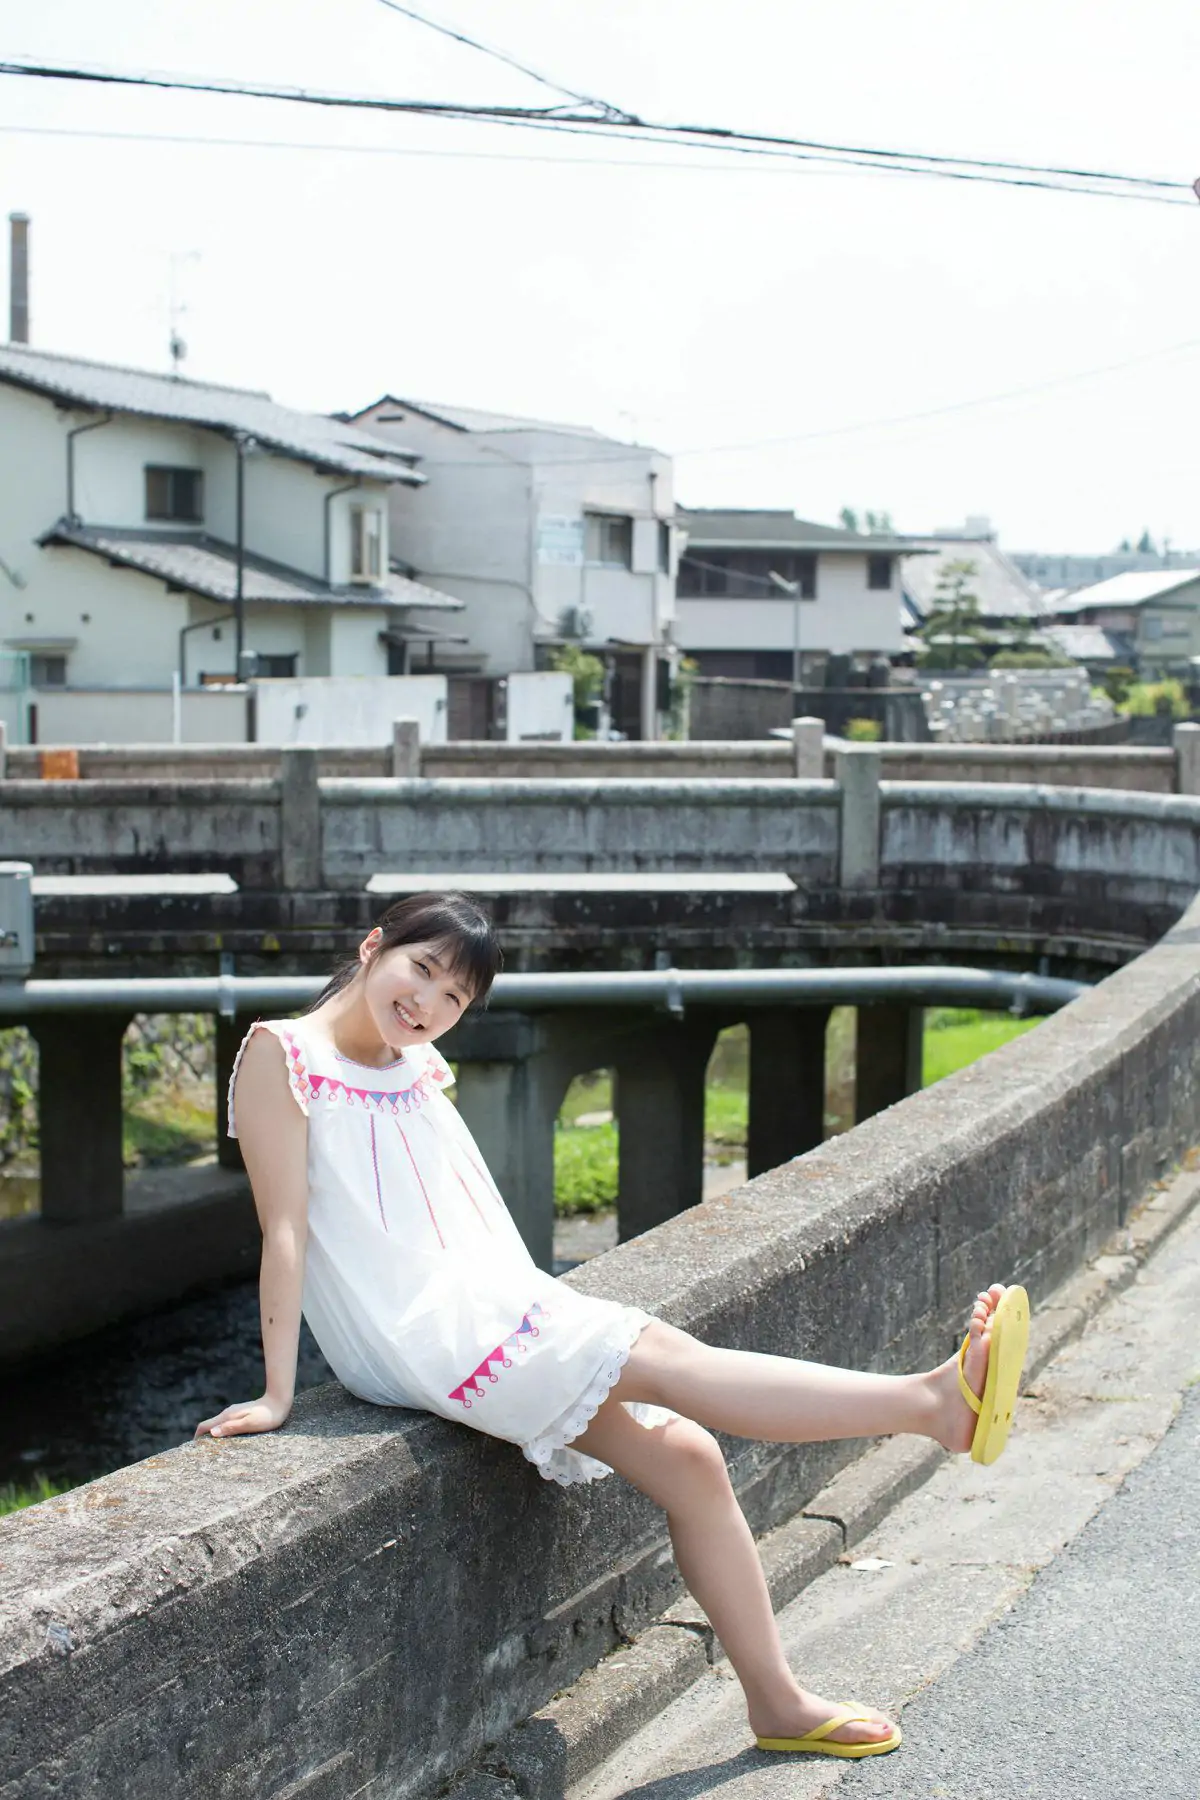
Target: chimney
(18,304)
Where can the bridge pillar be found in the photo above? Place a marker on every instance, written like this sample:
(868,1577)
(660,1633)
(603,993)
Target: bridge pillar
(1186,740)
(79,1116)
(887,1058)
(787,1084)
(511,1082)
(660,1075)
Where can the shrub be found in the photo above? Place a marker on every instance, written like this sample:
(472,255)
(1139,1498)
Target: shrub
(864,731)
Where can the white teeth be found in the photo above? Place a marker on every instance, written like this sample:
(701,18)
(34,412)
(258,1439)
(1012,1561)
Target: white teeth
(406,1018)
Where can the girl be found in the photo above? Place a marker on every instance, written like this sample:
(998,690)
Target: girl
(380,1221)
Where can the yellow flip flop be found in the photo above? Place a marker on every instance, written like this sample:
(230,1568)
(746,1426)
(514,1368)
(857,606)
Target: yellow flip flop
(1006,1359)
(816,1742)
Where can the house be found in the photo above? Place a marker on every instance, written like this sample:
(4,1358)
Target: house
(1051,570)
(154,528)
(550,534)
(1156,612)
(764,595)
(1005,595)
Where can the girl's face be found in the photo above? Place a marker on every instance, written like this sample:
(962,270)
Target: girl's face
(410,992)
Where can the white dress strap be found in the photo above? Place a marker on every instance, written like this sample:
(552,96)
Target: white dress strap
(294,1056)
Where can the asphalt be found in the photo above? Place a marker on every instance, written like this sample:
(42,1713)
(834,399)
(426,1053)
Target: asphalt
(1035,1625)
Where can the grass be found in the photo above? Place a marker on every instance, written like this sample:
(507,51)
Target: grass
(167,1127)
(585,1156)
(14,1497)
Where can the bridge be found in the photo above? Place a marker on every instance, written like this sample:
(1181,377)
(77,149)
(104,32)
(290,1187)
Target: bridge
(365,1602)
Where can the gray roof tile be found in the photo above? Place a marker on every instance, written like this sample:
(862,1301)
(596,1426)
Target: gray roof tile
(309,437)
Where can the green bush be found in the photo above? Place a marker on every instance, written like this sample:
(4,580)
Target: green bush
(585,1168)
(13,1498)
(864,731)
(1156,699)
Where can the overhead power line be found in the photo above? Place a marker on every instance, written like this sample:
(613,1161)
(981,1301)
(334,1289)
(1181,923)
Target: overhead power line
(604,107)
(991,170)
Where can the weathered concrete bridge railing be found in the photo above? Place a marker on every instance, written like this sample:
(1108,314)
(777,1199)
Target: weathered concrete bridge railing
(811,755)
(363,1601)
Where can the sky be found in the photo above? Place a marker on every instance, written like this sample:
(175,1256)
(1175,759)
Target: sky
(775,327)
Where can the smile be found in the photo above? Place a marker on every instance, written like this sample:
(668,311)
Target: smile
(406,1018)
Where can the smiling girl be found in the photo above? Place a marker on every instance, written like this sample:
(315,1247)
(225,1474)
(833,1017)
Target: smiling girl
(382,1225)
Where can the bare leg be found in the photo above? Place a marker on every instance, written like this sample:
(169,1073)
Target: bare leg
(680,1466)
(781,1400)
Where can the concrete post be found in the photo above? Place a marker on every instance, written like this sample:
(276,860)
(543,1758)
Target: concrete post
(787,1084)
(299,821)
(3,749)
(79,1116)
(887,1059)
(511,1083)
(406,749)
(661,1160)
(1186,739)
(856,769)
(808,747)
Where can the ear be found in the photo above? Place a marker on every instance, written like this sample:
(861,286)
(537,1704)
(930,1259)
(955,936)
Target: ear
(369,945)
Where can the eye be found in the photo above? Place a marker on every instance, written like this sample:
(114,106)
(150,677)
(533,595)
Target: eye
(457,1001)
(424,968)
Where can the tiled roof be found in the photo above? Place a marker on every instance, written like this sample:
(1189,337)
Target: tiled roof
(309,437)
(471,418)
(1001,589)
(204,565)
(1088,643)
(718,527)
(1132,589)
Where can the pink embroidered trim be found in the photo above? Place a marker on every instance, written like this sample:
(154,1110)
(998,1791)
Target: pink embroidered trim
(382,1100)
(412,1159)
(484,1177)
(500,1355)
(375,1166)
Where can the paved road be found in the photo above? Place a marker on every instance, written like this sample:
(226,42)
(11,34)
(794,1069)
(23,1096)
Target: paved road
(1037,1624)
(1090,1687)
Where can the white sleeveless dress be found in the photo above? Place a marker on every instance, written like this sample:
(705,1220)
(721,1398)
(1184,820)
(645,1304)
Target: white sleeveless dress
(418,1287)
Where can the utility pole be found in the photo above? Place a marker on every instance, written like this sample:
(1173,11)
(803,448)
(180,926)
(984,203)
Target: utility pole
(792,588)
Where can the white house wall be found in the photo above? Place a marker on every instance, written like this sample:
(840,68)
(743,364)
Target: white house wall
(354,646)
(846,616)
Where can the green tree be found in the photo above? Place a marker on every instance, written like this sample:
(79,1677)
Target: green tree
(587,680)
(1146,544)
(878,523)
(953,636)
(849,518)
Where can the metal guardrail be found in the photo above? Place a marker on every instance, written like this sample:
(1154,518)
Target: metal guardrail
(669,989)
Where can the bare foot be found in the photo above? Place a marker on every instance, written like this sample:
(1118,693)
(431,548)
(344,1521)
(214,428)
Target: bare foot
(954,1426)
(806,1711)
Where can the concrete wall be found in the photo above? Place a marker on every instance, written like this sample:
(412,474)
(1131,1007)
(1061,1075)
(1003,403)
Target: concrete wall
(365,1599)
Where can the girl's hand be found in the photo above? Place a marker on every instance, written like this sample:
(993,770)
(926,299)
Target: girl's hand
(247,1416)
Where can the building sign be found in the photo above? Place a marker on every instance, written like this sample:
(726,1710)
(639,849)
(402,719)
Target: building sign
(560,540)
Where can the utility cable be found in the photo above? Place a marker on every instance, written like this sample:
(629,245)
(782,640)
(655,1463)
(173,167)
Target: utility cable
(1065,180)
(604,107)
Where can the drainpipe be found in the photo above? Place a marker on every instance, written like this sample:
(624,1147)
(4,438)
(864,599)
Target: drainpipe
(333,494)
(78,431)
(221,619)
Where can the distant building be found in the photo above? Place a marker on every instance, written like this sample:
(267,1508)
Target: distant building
(1053,571)
(147,523)
(550,534)
(1004,593)
(1155,612)
(761,593)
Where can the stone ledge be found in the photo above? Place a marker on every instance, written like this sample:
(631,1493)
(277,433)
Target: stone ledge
(569,1738)
(367,1597)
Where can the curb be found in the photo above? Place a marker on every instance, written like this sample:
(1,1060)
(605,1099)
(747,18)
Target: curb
(581,1727)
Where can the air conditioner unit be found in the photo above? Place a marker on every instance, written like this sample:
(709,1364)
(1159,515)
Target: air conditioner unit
(575,622)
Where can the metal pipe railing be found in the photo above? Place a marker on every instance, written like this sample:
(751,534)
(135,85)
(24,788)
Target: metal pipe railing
(672,989)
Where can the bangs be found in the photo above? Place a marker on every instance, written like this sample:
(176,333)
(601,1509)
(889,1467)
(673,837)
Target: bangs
(473,961)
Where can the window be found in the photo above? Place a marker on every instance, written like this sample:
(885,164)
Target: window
(879,571)
(608,539)
(366,543)
(664,547)
(47,670)
(174,493)
(277,667)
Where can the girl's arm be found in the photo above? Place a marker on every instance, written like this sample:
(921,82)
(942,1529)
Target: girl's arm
(273,1133)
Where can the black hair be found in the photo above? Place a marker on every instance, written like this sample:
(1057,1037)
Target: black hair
(453,926)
